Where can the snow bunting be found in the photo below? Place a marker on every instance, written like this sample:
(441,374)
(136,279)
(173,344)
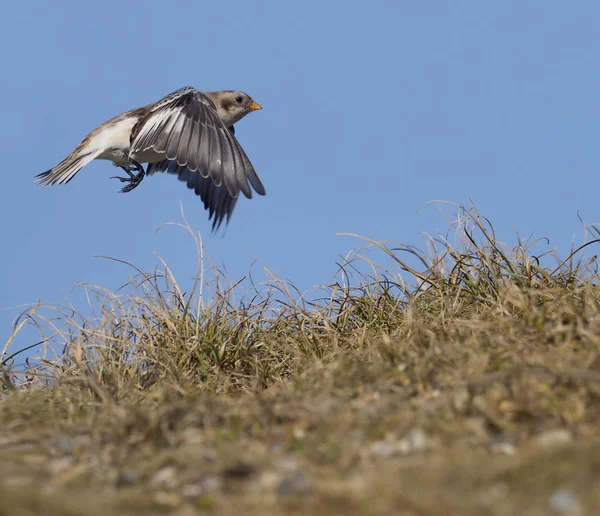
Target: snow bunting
(188,133)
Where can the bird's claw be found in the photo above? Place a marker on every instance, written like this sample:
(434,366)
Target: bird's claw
(122,179)
(133,181)
(126,168)
(130,186)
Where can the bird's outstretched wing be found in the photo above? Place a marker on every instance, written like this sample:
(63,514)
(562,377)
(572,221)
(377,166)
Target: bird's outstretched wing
(185,127)
(217,199)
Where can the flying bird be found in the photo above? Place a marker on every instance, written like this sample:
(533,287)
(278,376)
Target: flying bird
(188,133)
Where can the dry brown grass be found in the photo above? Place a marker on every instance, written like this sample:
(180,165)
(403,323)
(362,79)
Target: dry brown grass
(460,380)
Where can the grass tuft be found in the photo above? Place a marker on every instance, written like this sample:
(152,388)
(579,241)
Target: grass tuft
(460,378)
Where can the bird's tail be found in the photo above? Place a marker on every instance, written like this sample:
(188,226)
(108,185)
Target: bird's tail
(65,170)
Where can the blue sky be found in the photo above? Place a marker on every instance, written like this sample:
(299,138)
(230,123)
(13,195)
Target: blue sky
(369,110)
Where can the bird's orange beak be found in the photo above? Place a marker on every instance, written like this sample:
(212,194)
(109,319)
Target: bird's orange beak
(254,106)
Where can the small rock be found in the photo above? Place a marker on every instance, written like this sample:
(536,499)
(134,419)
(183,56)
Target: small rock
(434,394)
(368,409)
(476,427)
(503,444)
(294,483)
(192,490)
(127,478)
(299,433)
(277,447)
(566,503)
(164,477)
(503,448)
(287,464)
(285,479)
(384,449)
(553,438)
(212,483)
(461,398)
(72,446)
(65,445)
(414,441)
(269,480)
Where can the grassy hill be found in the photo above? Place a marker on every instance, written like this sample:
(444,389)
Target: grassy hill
(464,379)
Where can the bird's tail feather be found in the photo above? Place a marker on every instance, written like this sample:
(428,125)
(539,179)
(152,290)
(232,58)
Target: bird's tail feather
(65,170)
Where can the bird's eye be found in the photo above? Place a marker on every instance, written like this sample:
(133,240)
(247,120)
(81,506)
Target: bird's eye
(239,100)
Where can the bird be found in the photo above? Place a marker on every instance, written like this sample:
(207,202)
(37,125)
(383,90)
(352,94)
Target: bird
(188,133)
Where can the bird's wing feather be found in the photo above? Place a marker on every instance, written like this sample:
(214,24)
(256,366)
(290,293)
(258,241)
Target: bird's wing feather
(185,127)
(217,199)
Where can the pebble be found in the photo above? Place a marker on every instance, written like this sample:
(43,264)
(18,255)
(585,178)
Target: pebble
(294,483)
(286,479)
(553,438)
(192,490)
(503,444)
(503,448)
(212,483)
(71,446)
(414,441)
(164,477)
(299,433)
(127,477)
(384,449)
(461,399)
(566,503)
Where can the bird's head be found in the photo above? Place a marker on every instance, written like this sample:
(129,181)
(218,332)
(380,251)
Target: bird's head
(232,106)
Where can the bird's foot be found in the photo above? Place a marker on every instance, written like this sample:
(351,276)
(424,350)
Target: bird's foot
(133,180)
(126,168)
